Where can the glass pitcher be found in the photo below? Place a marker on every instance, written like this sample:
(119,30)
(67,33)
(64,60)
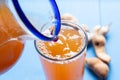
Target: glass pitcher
(16,27)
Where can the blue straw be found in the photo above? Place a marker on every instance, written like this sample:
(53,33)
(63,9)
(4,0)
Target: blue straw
(32,28)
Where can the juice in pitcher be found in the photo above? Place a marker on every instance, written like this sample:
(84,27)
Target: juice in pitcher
(10,46)
(9,54)
(64,59)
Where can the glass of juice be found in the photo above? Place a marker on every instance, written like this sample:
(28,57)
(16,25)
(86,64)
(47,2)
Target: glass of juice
(64,58)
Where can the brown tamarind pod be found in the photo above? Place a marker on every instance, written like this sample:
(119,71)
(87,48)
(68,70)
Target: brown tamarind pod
(69,17)
(98,67)
(103,30)
(90,36)
(99,46)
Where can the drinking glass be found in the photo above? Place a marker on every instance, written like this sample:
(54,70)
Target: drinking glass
(65,58)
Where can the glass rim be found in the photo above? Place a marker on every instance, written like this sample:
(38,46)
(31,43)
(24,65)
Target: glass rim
(66,22)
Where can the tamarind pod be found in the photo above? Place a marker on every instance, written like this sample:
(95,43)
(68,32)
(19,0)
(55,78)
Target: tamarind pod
(99,46)
(69,17)
(98,67)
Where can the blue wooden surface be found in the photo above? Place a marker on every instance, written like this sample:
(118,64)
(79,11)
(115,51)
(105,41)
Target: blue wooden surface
(87,12)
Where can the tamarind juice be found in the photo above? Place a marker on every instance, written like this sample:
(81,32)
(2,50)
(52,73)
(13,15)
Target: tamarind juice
(64,59)
(9,54)
(10,47)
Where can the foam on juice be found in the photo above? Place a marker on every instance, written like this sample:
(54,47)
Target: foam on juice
(69,44)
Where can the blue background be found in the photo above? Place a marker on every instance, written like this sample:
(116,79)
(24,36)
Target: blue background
(87,12)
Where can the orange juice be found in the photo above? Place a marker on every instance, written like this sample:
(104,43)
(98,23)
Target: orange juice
(9,54)
(64,59)
(10,47)
(9,28)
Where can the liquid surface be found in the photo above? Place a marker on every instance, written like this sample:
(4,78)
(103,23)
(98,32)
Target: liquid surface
(68,44)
